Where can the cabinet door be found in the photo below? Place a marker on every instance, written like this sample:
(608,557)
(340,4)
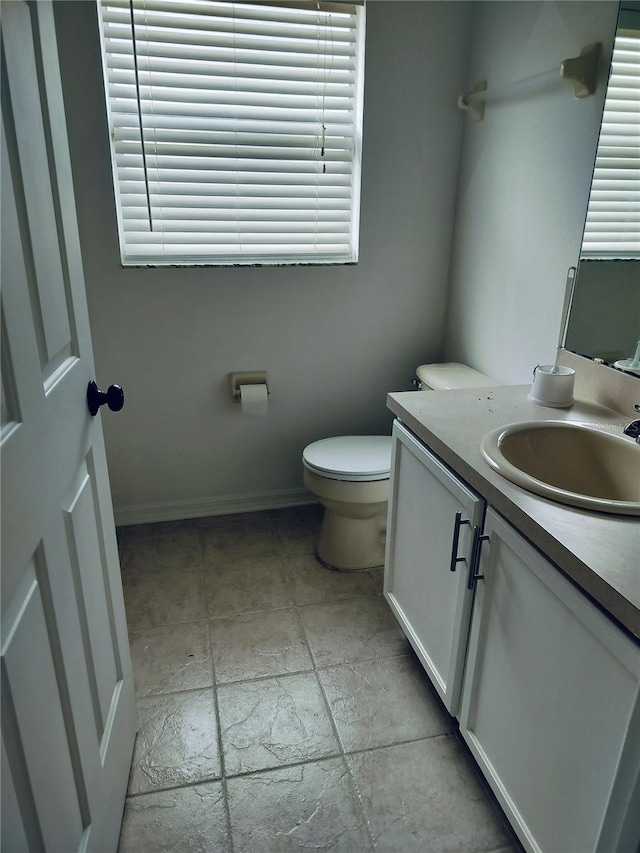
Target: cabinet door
(550,703)
(430,601)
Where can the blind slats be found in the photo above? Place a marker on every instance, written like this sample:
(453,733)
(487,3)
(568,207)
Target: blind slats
(135,190)
(220,214)
(249,107)
(169,80)
(238,127)
(257,146)
(209,232)
(612,227)
(161,42)
(245,104)
(259,72)
(226,56)
(235,129)
(240,180)
(255,207)
(243,113)
(621,166)
(222,31)
(251,169)
(281,13)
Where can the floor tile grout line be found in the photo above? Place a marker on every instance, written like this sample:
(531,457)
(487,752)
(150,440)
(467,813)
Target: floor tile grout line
(345,763)
(306,639)
(252,612)
(337,599)
(350,776)
(128,572)
(269,677)
(146,628)
(210,618)
(319,603)
(259,678)
(360,799)
(216,707)
(356,661)
(331,756)
(286,577)
(367,749)
(210,780)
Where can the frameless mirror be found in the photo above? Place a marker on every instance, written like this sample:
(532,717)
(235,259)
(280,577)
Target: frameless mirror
(604,322)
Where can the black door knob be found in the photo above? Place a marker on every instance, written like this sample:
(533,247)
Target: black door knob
(113,397)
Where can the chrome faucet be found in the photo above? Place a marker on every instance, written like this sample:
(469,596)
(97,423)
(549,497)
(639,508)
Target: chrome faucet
(633,427)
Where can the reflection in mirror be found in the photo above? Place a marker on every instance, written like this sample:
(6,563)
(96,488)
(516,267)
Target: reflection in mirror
(604,323)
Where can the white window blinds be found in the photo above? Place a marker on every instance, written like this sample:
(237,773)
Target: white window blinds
(612,228)
(235,129)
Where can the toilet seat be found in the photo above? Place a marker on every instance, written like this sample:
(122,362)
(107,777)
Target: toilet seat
(358,458)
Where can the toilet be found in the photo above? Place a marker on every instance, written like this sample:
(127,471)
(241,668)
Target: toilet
(349,475)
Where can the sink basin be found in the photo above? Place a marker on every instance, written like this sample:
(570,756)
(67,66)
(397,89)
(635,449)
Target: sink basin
(575,464)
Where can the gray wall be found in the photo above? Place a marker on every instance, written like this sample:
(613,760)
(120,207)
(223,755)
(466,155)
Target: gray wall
(507,213)
(524,185)
(333,340)
(605,317)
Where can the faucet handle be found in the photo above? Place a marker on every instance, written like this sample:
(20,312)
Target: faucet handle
(632,429)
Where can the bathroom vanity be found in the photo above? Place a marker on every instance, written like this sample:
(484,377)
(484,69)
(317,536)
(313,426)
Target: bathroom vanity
(525,614)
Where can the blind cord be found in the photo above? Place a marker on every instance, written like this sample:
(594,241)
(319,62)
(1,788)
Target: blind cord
(144,153)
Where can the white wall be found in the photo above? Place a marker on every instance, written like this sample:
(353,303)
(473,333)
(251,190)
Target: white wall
(524,185)
(334,340)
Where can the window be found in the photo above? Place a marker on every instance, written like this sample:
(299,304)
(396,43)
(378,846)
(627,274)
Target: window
(612,229)
(235,129)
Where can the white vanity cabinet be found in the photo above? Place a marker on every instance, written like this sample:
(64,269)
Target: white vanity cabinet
(545,686)
(550,704)
(432,514)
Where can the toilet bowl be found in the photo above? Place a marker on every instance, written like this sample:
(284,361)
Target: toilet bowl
(350,477)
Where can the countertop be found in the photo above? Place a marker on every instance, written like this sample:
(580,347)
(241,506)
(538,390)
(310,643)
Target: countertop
(600,553)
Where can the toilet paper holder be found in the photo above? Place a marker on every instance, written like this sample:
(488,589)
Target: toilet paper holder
(248,377)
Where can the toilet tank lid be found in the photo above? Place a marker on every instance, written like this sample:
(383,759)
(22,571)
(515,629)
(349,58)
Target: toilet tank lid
(452,374)
(361,456)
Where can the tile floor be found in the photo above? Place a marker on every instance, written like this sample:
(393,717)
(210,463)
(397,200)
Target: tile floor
(280,707)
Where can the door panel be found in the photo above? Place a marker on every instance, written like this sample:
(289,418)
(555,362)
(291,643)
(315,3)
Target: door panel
(28,675)
(550,698)
(47,285)
(431,602)
(12,833)
(67,690)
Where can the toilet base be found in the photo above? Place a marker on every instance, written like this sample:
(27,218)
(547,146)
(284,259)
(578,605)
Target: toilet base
(350,544)
(354,524)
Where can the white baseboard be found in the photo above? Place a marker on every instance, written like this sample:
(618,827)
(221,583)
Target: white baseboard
(224,505)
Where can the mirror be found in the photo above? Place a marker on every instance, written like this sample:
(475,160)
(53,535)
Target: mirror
(604,322)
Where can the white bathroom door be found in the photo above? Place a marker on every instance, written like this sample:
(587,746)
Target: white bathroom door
(68,718)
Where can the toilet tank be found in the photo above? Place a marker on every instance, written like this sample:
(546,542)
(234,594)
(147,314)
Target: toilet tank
(450,375)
